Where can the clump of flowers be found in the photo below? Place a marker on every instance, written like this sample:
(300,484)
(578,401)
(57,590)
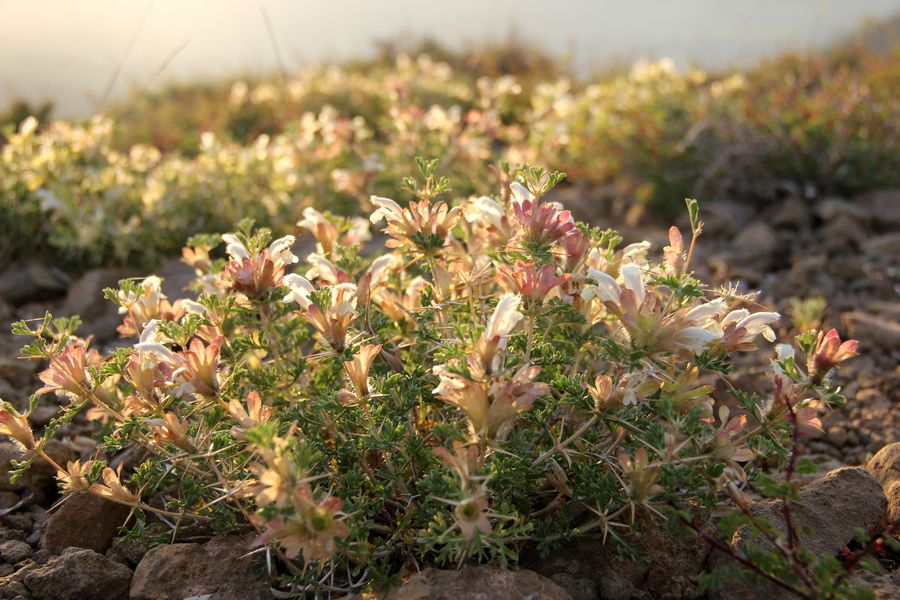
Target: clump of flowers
(495,377)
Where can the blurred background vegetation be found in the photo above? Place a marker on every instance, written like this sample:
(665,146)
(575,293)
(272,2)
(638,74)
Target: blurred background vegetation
(161,164)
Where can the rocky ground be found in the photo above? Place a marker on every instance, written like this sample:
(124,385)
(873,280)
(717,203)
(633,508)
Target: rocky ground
(847,252)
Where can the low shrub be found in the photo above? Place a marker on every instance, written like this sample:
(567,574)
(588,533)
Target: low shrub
(496,377)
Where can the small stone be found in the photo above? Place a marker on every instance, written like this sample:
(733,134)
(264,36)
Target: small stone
(841,231)
(873,331)
(14,589)
(6,569)
(885,465)
(885,246)
(833,209)
(22,522)
(78,574)
(478,583)
(128,553)
(837,437)
(884,586)
(8,499)
(725,217)
(758,238)
(40,479)
(792,213)
(15,551)
(84,521)
(27,282)
(43,413)
(7,534)
(883,207)
(177,276)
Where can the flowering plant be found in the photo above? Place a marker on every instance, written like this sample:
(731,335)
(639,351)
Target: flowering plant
(497,376)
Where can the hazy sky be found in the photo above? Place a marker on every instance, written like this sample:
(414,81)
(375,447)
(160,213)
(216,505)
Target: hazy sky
(67,50)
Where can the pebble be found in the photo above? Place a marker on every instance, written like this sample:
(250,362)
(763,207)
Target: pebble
(15,551)
(837,437)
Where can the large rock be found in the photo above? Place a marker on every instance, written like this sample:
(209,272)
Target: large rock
(885,465)
(84,521)
(830,510)
(217,570)
(78,574)
(478,583)
(827,515)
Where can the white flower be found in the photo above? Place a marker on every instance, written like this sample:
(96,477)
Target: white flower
(757,323)
(343,299)
(312,219)
(48,200)
(520,193)
(28,126)
(192,307)
(483,209)
(782,352)
(380,269)
(636,253)
(322,268)
(235,247)
(632,280)
(151,344)
(280,250)
(358,232)
(387,209)
(150,295)
(300,289)
(695,339)
(706,311)
(607,289)
(506,316)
